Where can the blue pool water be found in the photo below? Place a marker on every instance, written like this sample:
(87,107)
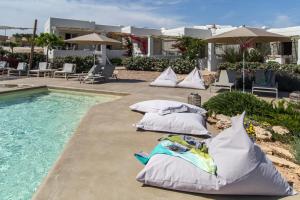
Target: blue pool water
(33,131)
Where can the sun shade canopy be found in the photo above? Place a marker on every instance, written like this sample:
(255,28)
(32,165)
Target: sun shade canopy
(246,35)
(92,39)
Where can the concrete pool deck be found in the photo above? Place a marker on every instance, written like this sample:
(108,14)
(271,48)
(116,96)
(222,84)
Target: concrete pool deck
(98,161)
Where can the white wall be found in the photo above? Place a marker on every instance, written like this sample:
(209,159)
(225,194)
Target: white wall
(141,31)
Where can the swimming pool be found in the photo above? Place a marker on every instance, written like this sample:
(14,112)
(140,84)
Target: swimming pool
(34,127)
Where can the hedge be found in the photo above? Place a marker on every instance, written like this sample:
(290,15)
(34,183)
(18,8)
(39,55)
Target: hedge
(287,68)
(287,75)
(180,66)
(14,59)
(82,63)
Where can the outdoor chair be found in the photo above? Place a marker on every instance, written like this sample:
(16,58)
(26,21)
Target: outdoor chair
(3,66)
(99,73)
(43,68)
(68,69)
(21,69)
(227,79)
(265,82)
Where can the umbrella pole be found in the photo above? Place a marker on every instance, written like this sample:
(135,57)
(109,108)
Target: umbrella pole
(243,70)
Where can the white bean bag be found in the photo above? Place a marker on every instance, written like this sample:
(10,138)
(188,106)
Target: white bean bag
(193,80)
(242,168)
(181,123)
(167,78)
(164,107)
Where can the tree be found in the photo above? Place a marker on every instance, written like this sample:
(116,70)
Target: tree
(49,41)
(191,48)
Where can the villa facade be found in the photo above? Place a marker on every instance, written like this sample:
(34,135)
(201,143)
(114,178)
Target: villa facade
(159,42)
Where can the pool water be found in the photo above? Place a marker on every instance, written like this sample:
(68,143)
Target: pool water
(34,128)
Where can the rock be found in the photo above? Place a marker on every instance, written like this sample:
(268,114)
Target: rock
(223,121)
(280,130)
(282,162)
(283,152)
(297,171)
(278,151)
(211,120)
(266,149)
(262,134)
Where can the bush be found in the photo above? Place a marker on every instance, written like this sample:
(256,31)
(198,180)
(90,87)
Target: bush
(14,59)
(180,66)
(287,75)
(271,65)
(233,103)
(116,61)
(296,147)
(82,63)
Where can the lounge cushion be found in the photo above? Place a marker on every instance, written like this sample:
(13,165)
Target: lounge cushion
(242,168)
(181,123)
(167,78)
(193,80)
(163,107)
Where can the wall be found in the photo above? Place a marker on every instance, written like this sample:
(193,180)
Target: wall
(141,31)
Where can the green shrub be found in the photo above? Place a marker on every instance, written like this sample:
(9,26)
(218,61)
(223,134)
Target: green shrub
(233,103)
(82,63)
(116,61)
(232,55)
(180,66)
(254,55)
(296,147)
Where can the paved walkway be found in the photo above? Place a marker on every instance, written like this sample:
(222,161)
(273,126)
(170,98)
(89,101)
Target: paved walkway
(98,161)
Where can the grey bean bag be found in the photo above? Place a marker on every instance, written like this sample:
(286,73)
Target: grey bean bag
(193,80)
(242,168)
(167,78)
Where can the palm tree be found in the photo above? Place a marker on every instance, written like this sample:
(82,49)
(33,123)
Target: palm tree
(49,41)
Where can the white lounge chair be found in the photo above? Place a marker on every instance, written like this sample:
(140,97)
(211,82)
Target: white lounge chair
(67,70)
(227,80)
(3,66)
(43,68)
(21,68)
(265,82)
(99,73)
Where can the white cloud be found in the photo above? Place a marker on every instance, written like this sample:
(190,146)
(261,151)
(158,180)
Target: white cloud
(283,21)
(138,12)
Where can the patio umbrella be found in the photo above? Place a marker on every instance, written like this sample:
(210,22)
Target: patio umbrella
(93,39)
(245,36)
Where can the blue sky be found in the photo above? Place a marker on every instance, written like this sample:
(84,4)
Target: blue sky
(154,13)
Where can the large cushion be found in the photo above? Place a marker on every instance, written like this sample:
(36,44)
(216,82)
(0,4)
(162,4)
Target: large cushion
(163,107)
(193,80)
(182,123)
(167,78)
(242,168)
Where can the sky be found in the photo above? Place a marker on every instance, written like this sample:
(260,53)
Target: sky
(153,13)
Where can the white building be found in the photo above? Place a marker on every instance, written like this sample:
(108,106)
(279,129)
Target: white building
(159,42)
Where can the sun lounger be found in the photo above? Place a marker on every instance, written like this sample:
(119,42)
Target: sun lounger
(21,69)
(3,66)
(67,70)
(99,73)
(227,80)
(43,68)
(265,82)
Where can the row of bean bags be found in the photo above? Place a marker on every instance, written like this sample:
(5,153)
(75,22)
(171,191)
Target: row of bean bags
(168,78)
(242,167)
